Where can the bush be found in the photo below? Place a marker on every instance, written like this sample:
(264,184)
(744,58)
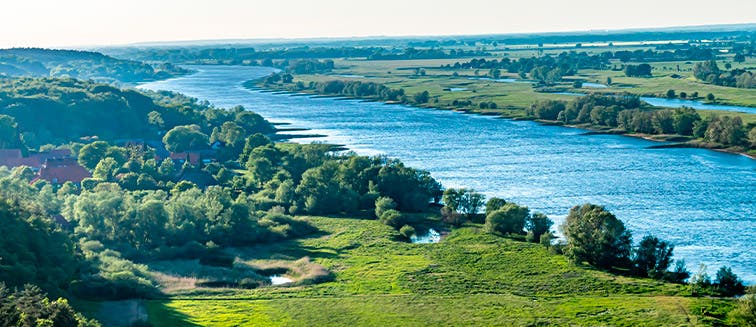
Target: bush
(383,204)
(744,313)
(545,239)
(407,231)
(510,219)
(392,218)
(452,217)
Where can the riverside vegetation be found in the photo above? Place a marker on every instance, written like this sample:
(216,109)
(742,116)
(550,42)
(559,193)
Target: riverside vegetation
(140,228)
(615,111)
(190,209)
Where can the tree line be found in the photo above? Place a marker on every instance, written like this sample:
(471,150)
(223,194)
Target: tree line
(709,72)
(625,112)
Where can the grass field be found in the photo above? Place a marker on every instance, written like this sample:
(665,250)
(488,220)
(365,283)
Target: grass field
(469,279)
(512,98)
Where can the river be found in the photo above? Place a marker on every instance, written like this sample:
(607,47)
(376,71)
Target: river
(703,201)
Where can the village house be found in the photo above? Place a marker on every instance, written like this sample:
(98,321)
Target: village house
(60,171)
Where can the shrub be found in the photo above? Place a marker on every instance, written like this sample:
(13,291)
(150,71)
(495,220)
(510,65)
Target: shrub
(392,218)
(383,204)
(545,239)
(407,231)
(452,217)
(510,219)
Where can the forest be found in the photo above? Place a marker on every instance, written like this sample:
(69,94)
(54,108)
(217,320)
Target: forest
(82,65)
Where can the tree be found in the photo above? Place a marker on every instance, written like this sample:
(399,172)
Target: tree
(421,97)
(509,219)
(538,224)
(710,97)
(596,236)
(671,94)
(728,283)
(106,170)
(652,257)
(752,137)
(92,153)
(494,204)
(684,120)
(464,201)
(739,58)
(156,119)
(167,169)
(8,132)
(663,122)
(184,138)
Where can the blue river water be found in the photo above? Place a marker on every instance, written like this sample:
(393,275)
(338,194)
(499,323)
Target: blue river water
(702,201)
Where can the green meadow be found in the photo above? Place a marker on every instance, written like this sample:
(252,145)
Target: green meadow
(471,278)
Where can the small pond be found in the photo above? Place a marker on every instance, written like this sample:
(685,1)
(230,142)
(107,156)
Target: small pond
(594,85)
(432,236)
(279,280)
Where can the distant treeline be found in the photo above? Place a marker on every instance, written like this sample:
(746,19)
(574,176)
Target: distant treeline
(625,112)
(703,33)
(251,56)
(351,88)
(37,62)
(546,69)
(709,72)
(412,53)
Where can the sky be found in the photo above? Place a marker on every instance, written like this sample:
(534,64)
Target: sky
(72,23)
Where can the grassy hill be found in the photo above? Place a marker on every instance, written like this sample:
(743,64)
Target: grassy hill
(469,279)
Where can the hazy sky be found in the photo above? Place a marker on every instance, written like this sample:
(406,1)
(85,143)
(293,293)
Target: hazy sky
(105,22)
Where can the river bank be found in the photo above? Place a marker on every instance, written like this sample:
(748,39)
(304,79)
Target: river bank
(510,114)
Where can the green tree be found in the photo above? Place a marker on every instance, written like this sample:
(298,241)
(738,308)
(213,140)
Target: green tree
(509,219)
(8,132)
(652,257)
(106,170)
(538,224)
(663,122)
(494,204)
(91,154)
(728,283)
(167,169)
(184,138)
(684,120)
(596,236)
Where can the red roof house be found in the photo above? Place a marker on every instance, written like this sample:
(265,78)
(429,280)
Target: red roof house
(59,171)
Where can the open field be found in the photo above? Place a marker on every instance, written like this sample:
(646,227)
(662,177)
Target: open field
(469,279)
(511,98)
